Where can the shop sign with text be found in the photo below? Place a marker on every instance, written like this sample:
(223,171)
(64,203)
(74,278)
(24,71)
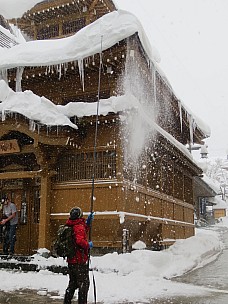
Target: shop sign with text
(9,146)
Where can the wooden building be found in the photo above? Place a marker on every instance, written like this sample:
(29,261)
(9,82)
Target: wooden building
(7,39)
(219,208)
(204,195)
(145,194)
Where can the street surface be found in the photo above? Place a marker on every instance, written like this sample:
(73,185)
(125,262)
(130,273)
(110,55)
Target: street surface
(214,276)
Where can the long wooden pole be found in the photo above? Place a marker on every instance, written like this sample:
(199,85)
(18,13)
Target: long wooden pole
(95,140)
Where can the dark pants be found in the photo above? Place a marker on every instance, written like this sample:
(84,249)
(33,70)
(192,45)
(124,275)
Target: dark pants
(9,239)
(78,279)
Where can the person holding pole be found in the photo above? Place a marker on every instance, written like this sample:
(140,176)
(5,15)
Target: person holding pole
(78,266)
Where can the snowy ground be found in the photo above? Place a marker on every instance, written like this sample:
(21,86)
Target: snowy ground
(135,277)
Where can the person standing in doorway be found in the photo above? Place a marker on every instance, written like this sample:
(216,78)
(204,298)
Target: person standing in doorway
(78,266)
(10,220)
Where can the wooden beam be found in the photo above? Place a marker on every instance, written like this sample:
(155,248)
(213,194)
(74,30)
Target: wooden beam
(93,4)
(44,224)
(19,174)
(43,136)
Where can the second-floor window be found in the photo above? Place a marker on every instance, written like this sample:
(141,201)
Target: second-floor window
(70,27)
(48,32)
(80,166)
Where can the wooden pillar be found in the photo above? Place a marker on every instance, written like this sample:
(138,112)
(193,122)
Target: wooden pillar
(60,28)
(44,224)
(34,31)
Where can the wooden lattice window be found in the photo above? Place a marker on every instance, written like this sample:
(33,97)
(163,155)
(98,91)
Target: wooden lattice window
(80,166)
(70,27)
(48,32)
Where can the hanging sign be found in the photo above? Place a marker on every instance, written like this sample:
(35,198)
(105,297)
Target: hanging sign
(9,146)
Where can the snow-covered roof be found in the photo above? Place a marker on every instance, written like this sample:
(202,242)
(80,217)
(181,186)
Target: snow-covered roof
(113,104)
(220,204)
(107,30)
(42,111)
(7,40)
(33,107)
(212,184)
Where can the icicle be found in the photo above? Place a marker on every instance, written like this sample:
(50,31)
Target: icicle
(65,65)
(32,125)
(155,89)
(59,70)
(4,75)
(81,72)
(19,73)
(191,127)
(180,111)
(3,115)
(122,217)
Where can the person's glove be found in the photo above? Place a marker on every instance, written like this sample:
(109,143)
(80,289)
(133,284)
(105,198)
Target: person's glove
(90,244)
(90,218)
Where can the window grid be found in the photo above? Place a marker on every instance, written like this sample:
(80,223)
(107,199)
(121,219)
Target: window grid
(48,32)
(80,166)
(73,26)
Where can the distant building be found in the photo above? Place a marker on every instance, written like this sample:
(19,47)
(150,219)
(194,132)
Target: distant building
(7,39)
(204,193)
(220,208)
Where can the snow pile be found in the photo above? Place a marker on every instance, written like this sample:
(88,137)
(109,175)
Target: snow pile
(223,222)
(183,256)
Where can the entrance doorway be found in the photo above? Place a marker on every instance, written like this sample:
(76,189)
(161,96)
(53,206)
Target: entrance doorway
(25,193)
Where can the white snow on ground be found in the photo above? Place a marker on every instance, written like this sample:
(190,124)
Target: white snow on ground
(137,276)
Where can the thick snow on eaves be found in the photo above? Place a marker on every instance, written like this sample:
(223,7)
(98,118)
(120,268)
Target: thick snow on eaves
(113,104)
(116,105)
(108,30)
(42,110)
(35,108)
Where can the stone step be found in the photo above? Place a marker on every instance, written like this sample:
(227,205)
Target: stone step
(24,263)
